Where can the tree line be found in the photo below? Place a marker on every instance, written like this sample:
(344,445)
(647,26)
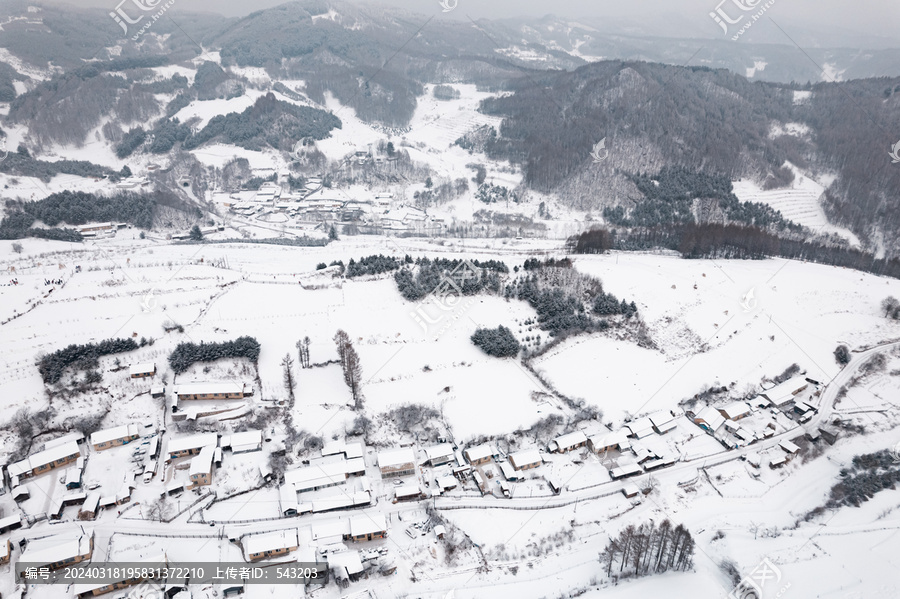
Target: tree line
(350,366)
(732,241)
(186,354)
(81,357)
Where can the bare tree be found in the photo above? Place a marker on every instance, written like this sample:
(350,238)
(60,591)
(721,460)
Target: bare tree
(303,352)
(287,363)
(350,365)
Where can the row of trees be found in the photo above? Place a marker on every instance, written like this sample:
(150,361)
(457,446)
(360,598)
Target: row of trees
(81,357)
(649,549)
(350,365)
(186,354)
(427,276)
(732,241)
(371,265)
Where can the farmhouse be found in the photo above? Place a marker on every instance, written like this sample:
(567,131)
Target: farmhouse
(271,544)
(350,450)
(624,470)
(663,422)
(410,492)
(10,523)
(440,454)
(5,551)
(46,460)
(568,442)
(526,460)
(510,473)
(396,462)
(190,391)
(191,444)
(640,428)
(480,454)
(735,410)
(783,394)
(709,418)
(201,467)
(617,440)
(113,437)
(317,476)
(778,462)
(367,527)
(789,447)
(140,371)
(244,442)
(59,550)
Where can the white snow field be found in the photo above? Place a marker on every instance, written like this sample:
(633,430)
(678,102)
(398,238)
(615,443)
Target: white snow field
(706,329)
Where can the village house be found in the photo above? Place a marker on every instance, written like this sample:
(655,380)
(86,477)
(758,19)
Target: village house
(57,551)
(190,444)
(526,460)
(244,442)
(663,422)
(140,371)
(367,527)
(201,467)
(410,492)
(203,391)
(613,441)
(10,523)
(735,410)
(46,460)
(480,454)
(317,476)
(640,428)
(568,442)
(396,462)
(271,544)
(789,447)
(783,394)
(624,470)
(439,455)
(709,418)
(113,437)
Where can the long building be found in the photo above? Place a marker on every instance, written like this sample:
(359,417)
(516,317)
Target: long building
(113,437)
(46,460)
(59,550)
(189,391)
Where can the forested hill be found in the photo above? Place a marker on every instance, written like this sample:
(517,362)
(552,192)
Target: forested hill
(654,116)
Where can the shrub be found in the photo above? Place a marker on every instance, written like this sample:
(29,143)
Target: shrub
(186,354)
(842,354)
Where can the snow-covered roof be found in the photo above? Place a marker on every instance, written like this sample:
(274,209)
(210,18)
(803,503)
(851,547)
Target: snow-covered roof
(786,390)
(526,457)
(44,457)
(317,475)
(272,541)
(625,469)
(202,462)
(407,490)
(111,434)
(209,388)
(145,368)
(735,410)
(244,441)
(571,439)
(640,428)
(57,548)
(10,521)
(353,449)
(711,417)
(390,458)
(76,436)
(508,471)
(348,560)
(789,447)
(444,450)
(189,442)
(367,524)
(479,452)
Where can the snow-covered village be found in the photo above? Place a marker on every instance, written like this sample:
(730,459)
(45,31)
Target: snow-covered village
(450,319)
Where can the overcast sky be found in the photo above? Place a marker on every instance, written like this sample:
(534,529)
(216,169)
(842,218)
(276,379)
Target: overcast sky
(677,18)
